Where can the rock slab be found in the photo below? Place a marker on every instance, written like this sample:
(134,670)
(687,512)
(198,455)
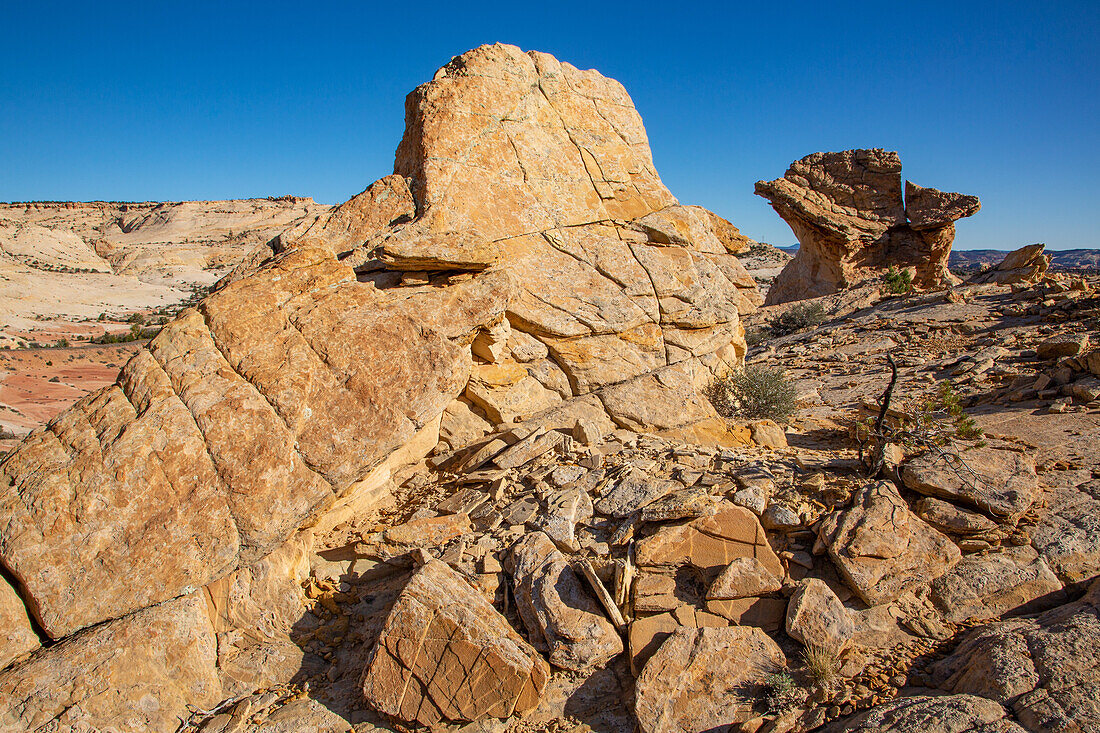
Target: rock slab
(704,679)
(883,549)
(445,654)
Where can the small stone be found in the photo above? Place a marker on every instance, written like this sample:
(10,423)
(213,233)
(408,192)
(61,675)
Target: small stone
(1063,345)
(752,498)
(632,492)
(430,532)
(587,432)
(744,576)
(780,517)
(817,618)
(768,433)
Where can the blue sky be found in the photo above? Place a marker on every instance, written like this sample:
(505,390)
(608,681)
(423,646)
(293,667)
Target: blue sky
(169,101)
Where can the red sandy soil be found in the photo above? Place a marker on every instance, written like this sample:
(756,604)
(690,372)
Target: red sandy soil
(37,384)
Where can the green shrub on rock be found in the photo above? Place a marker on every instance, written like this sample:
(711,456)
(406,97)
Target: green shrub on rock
(753,393)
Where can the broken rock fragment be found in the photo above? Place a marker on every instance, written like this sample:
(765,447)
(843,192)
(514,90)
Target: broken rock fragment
(709,543)
(704,679)
(556,608)
(445,654)
(817,618)
(632,492)
(744,577)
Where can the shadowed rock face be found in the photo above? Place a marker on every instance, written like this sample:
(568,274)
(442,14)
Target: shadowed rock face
(852,222)
(310,367)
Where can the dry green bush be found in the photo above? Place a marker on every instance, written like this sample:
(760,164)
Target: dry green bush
(752,393)
(798,317)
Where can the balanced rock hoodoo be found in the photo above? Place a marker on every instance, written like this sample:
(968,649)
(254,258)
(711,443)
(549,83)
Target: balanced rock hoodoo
(853,222)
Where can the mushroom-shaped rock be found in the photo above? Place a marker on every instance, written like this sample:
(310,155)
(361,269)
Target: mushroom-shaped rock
(848,213)
(445,654)
(929,208)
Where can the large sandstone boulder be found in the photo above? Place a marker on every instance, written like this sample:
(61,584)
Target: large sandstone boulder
(705,679)
(849,214)
(445,654)
(617,279)
(140,672)
(1036,667)
(883,549)
(240,421)
(993,584)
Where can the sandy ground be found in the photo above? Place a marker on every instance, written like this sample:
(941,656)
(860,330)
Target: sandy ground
(37,384)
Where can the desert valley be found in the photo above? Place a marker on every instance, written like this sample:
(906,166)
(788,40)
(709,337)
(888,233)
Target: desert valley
(515,440)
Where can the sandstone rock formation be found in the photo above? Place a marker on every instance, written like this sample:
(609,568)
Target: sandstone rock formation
(524,267)
(137,673)
(852,223)
(1035,667)
(882,548)
(334,494)
(445,654)
(1025,265)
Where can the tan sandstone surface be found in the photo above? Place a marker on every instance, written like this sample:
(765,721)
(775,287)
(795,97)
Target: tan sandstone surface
(442,456)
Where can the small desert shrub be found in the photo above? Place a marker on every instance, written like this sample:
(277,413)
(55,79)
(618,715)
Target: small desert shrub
(898,282)
(779,691)
(798,317)
(754,392)
(755,336)
(821,664)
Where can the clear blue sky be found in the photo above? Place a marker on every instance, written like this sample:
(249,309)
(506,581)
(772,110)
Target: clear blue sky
(159,101)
